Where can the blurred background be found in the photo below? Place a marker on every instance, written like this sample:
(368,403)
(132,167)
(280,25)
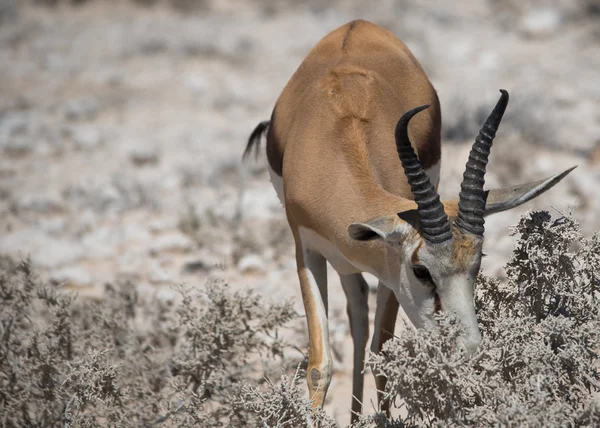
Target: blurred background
(122,125)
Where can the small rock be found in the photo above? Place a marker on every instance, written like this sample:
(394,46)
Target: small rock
(86,137)
(81,109)
(172,242)
(57,252)
(205,259)
(21,241)
(16,123)
(540,22)
(198,83)
(53,225)
(18,146)
(251,263)
(87,220)
(144,156)
(163,224)
(41,203)
(167,295)
(72,276)
(170,183)
(156,273)
(131,265)
(194,266)
(101,242)
(137,232)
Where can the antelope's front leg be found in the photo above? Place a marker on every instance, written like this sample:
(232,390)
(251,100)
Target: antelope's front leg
(312,271)
(357,294)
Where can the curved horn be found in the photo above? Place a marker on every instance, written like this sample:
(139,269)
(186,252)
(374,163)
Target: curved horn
(435,226)
(471,200)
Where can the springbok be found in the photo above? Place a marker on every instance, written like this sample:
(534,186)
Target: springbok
(333,159)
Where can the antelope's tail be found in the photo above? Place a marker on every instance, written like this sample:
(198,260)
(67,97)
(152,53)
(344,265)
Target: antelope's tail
(254,139)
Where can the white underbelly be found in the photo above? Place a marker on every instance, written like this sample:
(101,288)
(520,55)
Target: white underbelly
(277,182)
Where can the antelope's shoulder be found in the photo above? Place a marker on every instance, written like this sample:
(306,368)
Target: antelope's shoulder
(314,241)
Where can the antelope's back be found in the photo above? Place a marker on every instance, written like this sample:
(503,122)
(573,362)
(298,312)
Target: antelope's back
(341,106)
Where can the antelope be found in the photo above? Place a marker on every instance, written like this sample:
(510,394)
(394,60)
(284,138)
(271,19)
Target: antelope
(333,143)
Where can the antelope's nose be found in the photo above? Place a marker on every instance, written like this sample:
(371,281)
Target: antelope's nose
(471,342)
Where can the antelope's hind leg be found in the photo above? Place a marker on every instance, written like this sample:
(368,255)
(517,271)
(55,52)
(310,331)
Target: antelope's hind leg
(312,272)
(383,330)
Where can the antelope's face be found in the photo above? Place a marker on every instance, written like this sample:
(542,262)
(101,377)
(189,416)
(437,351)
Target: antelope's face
(429,277)
(442,278)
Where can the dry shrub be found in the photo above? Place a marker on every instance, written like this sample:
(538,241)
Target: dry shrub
(538,364)
(207,361)
(282,405)
(129,361)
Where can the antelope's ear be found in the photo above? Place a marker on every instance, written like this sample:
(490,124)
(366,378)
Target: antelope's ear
(509,197)
(384,227)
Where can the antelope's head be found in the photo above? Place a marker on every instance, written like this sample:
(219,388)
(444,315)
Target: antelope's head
(438,255)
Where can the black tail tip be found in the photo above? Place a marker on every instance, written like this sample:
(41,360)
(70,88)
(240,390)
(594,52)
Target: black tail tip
(254,139)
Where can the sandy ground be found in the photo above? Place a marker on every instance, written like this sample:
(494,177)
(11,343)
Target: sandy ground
(122,128)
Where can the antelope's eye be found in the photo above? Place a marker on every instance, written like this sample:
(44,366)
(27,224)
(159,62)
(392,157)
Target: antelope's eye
(422,273)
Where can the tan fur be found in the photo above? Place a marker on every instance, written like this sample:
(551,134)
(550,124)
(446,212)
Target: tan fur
(465,249)
(451,208)
(338,113)
(331,138)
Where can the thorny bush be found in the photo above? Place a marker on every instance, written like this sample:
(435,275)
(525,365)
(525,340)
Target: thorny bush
(538,364)
(129,361)
(207,361)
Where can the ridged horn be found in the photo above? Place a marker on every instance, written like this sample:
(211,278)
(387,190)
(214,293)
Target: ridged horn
(471,200)
(435,226)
